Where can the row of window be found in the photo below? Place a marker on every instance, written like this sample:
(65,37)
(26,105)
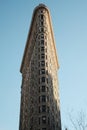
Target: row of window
(42,71)
(43,98)
(42,36)
(42,42)
(42,49)
(42,56)
(43,80)
(43,108)
(44,120)
(41,17)
(43,88)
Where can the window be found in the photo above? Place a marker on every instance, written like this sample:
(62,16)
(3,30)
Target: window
(38,49)
(39,109)
(42,35)
(47,89)
(41,23)
(42,71)
(42,42)
(32,119)
(38,64)
(39,57)
(42,29)
(41,16)
(42,56)
(39,120)
(47,98)
(41,11)
(42,48)
(43,108)
(43,88)
(31,127)
(39,99)
(39,72)
(44,119)
(48,120)
(48,109)
(43,98)
(46,64)
(43,128)
(46,56)
(46,50)
(43,79)
(42,63)
(47,80)
(47,72)
(39,89)
(39,80)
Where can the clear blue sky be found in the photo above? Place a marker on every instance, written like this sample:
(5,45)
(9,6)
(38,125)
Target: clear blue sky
(69,19)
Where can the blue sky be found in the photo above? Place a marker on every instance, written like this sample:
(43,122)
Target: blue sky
(69,19)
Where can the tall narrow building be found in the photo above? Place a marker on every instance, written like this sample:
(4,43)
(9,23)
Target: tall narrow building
(40,103)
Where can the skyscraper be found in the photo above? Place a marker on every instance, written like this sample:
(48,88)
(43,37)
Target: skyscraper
(40,103)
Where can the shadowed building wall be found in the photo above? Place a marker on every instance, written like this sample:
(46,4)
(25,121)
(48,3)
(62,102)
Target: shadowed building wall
(40,103)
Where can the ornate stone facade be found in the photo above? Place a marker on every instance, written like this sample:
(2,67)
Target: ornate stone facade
(40,103)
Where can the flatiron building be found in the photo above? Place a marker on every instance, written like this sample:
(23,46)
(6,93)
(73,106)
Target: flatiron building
(40,103)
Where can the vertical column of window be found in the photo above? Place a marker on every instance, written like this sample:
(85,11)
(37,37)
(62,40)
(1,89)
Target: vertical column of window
(41,20)
(42,79)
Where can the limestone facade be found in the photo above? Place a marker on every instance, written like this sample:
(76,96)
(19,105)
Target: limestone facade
(40,103)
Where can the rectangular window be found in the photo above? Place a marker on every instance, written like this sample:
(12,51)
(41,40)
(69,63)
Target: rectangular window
(42,42)
(44,119)
(39,80)
(42,63)
(47,98)
(46,64)
(39,72)
(43,128)
(38,49)
(43,79)
(42,29)
(39,57)
(47,80)
(41,23)
(38,64)
(41,16)
(48,120)
(42,36)
(39,120)
(43,108)
(47,72)
(47,89)
(43,88)
(48,109)
(43,98)
(46,56)
(42,48)
(39,109)
(42,71)
(42,56)
(39,99)
(39,89)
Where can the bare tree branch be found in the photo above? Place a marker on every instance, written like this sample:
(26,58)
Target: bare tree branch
(79,123)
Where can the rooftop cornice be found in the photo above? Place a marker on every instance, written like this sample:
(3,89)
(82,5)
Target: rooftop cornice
(41,6)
